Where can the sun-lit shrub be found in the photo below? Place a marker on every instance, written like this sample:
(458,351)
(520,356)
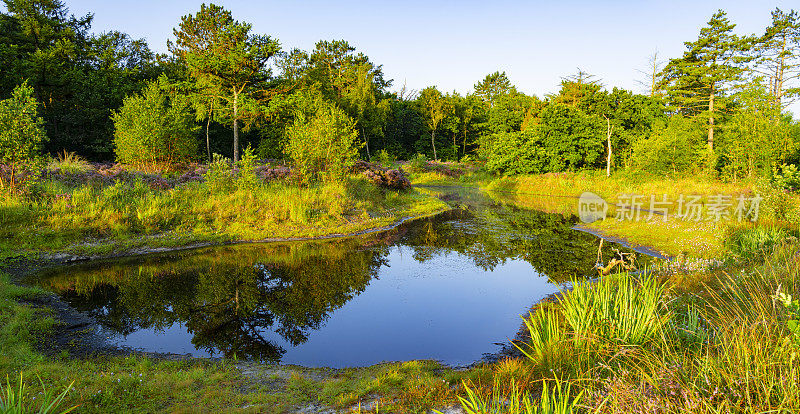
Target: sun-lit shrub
(674,148)
(322,145)
(21,131)
(155,128)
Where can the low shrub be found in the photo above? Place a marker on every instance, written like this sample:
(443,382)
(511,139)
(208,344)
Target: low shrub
(21,133)
(322,146)
(155,129)
(69,163)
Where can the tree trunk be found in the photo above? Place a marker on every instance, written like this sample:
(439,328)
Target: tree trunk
(433,143)
(366,142)
(464,144)
(609,130)
(711,121)
(779,75)
(208,141)
(235,128)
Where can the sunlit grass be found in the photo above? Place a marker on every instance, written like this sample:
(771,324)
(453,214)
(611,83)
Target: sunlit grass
(93,218)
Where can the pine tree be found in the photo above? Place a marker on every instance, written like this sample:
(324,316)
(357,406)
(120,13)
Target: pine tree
(697,81)
(226,61)
(777,56)
(493,86)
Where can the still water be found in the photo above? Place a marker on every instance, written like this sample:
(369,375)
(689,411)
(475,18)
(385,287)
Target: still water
(449,288)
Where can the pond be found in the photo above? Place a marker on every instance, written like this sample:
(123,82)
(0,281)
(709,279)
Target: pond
(450,288)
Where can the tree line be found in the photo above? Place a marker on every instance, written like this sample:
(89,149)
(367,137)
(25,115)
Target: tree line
(720,107)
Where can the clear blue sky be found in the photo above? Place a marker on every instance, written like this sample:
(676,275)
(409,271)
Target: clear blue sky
(453,44)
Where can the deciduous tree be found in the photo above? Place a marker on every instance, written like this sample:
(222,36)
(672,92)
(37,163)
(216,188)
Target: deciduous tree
(435,107)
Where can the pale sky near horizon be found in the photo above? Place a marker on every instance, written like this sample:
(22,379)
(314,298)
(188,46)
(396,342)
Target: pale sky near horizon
(454,44)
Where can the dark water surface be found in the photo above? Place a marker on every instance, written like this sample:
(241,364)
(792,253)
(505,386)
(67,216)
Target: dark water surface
(448,288)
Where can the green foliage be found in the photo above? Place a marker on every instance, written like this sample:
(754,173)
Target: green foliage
(566,139)
(516,153)
(594,317)
(247,178)
(80,76)
(755,242)
(434,107)
(21,129)
(778,204)
(674,148)
(218,176)
(385,159)
(757,136)
(707,68)
(227,63)
(16,400)
(560,401)
(419,162)
(69,163)
(792,313)
(493,86)
(788,178)
(322,146)
(155,128)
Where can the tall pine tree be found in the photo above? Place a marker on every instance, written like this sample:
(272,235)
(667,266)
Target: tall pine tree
(777,56)
(697,81)
(227,62)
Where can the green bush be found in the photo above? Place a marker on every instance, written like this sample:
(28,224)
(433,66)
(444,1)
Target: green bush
(218,176)
(676,147)
(418,163)
(566,139)
(322,146)
(155,129)
(247,179)
(516,153)
(788,178)
(384,158)
(21,130)
(754,242)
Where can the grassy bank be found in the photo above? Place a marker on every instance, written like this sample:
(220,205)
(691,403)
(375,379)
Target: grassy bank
(703,239)
(98,218)
(699,341)
(724,343)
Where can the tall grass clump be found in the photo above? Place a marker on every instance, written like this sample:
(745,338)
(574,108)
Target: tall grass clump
(596,318)
(753,243)
(16,400)
(742,355)
(510,400)
(69,163)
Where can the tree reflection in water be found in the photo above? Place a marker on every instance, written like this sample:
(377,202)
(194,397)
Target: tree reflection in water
(231,298)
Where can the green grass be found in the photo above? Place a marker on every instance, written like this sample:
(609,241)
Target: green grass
(558,193)
(96,219)
(700,341)
(643,346)
(68,162)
